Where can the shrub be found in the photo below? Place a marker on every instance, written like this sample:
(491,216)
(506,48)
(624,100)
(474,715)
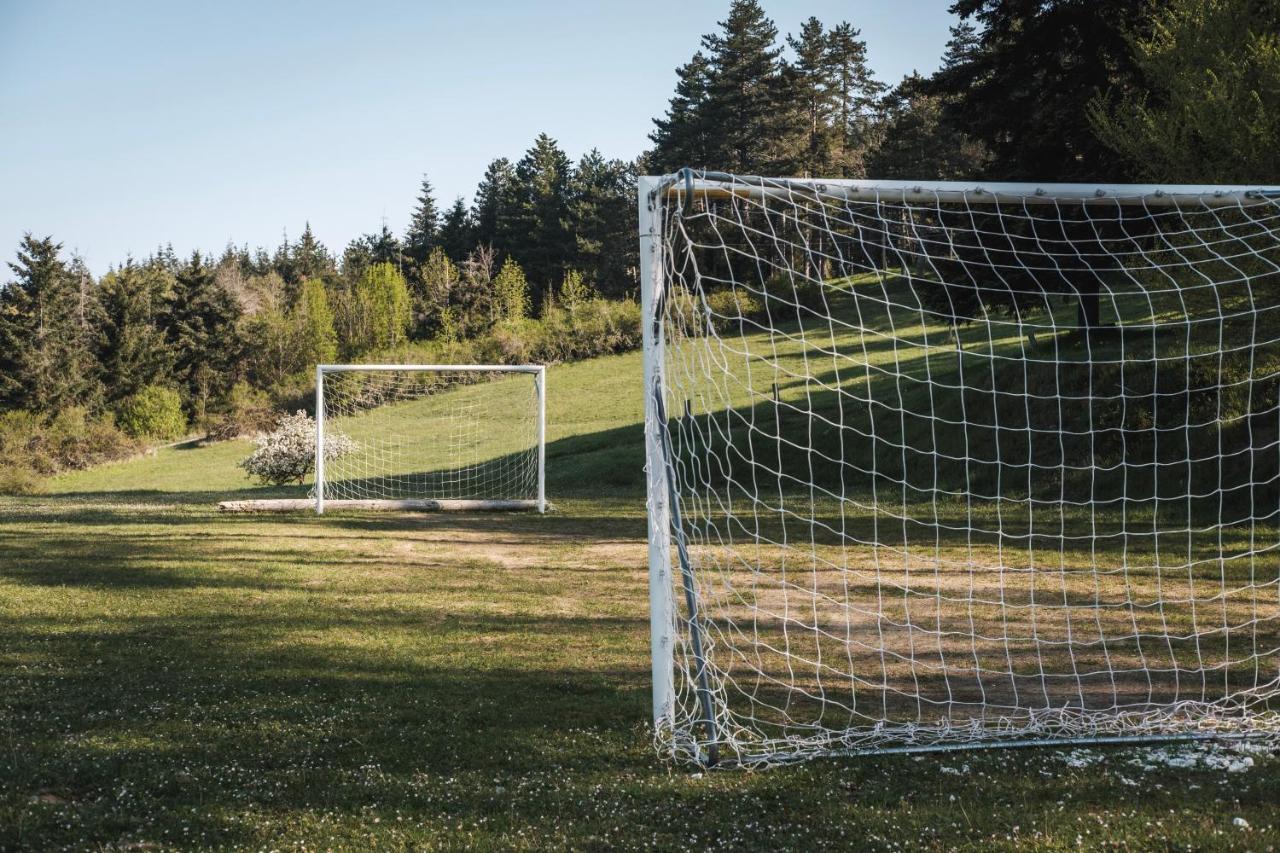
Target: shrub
(19,480)
(729,308)
(287,454)
(32,447)
(244,411)
(153,412)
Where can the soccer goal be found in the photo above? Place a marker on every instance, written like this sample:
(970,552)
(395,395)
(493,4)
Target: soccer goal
(933,465)
(430,436)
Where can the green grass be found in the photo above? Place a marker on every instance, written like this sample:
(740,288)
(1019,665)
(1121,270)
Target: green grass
(174,677)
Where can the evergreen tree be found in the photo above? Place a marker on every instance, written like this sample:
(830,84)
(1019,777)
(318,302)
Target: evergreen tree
(369,249)
(603,219)
(813,101)
(1024,86)
(46,346)
(424,226)
(202,329)
(540,237)
(917,143)
(131,345)
(857,95)
(457,233)
(684,136)
(493,196)
(744,89)
(310,257)
(1211,109)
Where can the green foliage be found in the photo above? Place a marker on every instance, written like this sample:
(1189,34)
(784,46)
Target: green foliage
(381,309)
(574,291)
(152,412)
(917,144)
(203,331)
(245,410)
(511,292)
(1021,81)
(33,446)
(537,232)
(131,343)
(314,322)
(438,278)
(47,318)
(457,232)
(424,226)
(603,211)
(1210,109)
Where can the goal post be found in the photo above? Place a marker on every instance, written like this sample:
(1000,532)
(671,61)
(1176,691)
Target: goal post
(934,465)
(430,436)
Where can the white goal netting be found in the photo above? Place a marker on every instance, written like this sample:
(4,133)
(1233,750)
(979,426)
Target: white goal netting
(933,466)
(441,434)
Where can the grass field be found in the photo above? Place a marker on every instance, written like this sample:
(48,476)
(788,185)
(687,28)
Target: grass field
(172,677)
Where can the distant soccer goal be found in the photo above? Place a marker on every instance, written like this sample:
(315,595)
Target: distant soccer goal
(414,436)
(933,465)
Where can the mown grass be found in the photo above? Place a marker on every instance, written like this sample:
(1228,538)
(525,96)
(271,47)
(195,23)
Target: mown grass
(172,677)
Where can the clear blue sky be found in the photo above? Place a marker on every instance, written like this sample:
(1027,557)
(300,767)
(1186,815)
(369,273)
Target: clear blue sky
(124,125)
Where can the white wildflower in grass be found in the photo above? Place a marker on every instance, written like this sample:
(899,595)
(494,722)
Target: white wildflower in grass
(287,454)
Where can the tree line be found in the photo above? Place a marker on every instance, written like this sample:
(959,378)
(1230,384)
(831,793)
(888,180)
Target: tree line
(542,263)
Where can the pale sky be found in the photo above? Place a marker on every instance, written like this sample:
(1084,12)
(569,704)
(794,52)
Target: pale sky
(126,125)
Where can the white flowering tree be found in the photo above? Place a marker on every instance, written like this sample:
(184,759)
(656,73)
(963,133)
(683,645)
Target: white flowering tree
(287,454)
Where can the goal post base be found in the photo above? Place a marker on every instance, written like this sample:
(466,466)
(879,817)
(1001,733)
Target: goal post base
(444,505)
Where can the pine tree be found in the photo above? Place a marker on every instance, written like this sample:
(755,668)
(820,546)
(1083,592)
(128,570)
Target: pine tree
(457,233)
(310,257)
(744,89)
(424,226)
(201,323)
(917,144)
(492,198)
(603,222)
(46,346)
(857,97)
(131,345)
(540,238)
(684,137)
(813,97)
(1023,85)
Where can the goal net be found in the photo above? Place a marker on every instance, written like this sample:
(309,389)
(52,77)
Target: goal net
(932,465)
(430,436)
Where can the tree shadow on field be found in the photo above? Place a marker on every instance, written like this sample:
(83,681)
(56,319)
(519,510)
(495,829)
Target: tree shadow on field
(214,672)
(294,711)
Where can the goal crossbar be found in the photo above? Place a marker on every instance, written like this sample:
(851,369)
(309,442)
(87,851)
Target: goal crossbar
(721,186)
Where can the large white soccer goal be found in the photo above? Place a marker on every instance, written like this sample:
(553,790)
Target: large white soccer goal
(933,465)
(430,436)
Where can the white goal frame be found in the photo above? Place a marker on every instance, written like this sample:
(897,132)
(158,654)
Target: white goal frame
(539,372)
(675,641)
